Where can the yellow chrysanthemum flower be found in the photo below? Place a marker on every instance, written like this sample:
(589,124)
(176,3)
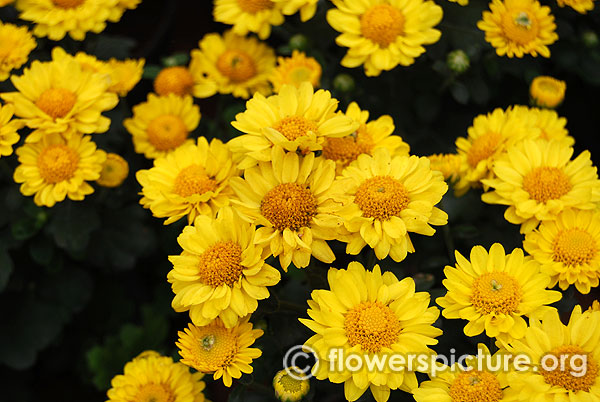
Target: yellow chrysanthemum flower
(519,27)
(581,6)
(295,70)
(465,383)
(162,124)
(55,168)
(565,360)
(488,138)
(387,197)
(152,377)
(232,64)
(291,388)
(384,33)
(221,272)
(60,97)
(369,136)
(114,171)
(192,180)
(296,119)
(594,307)
(290,198)
(494,291)
(367,314)
(124,75)
(56,18)
(178,80)
(546,122)
(547,91)
(249,16)
(226,352)
(307,8)
(448,164)
(120,8)
(16,44)
(8,130)
(538,180)
(568,248)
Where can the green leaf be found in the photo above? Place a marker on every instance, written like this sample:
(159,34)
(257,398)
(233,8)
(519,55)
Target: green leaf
(151,71)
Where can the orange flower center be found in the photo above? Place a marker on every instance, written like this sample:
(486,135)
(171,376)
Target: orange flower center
(176,80)
(254,6)
(381,197)
(289,205)
(347,149)
(68,3)
(221,264)
(372,325)
(574,247)
(56,102)
(167,132)
(293,127)
(382,24)
(57,163)
(152,392)
(214,348)
(546,183)
(236,65)
(575,371)
(496,292)
(475,386)
(193,180)
(520,26)
(483,147)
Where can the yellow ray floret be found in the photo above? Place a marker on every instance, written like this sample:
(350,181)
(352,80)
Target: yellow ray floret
(249,15)
(581,6)
(307,8)
(8,130)
(16,44)
(295,70)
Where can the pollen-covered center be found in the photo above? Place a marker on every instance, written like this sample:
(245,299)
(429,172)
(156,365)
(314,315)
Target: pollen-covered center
(57,163)
(575,369)
(193,180)
(381,197)
(372,325)
(546,183)
(347,149)
(520,26)
(236,65)
(176,80)
(254,6)
(216,348)
(167,132)
(68,3)
(382,24)
(56,102)
(289,206)
(574,247)
(475,386)
(483,147)
(221,264)
(496,292)
(293,127)
(152,392)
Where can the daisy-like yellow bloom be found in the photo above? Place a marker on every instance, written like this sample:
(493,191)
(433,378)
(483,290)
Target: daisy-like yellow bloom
(581,6)
(124,75)
(369,136)
(296,119)
(369,314)
(291,388)
(120,8)
(57,18)
(568,248)
(465,383)
(290,198)
(307,8)
(547,124)
(114,171)
(8,130)
(295,70)
(487,139)
(575,348)
(221,273)
(225,352)
(448,164)
(493,291)
(162,124)
(519,27)
(152,377)
(538,180)
(55,168)
(192,180)
(384,33)
(249,16)
(16,44)
(387,197)
(547,91)
(60,97)
(232,64)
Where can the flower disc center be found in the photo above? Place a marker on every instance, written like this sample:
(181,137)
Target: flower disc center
(382,24)
(546,183)
(574,247)
(193,180)
(56,102)
(289,205)
(381,197)
(372,325)
(57,163)
(167,132)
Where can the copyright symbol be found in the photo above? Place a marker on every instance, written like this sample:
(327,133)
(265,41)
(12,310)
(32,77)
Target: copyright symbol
(296,362)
